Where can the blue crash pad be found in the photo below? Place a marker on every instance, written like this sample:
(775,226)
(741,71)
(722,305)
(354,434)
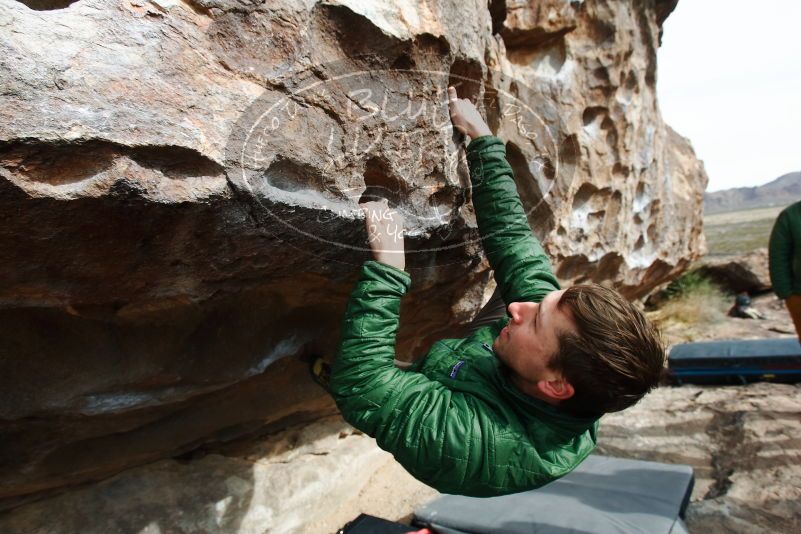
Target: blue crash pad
(740,361)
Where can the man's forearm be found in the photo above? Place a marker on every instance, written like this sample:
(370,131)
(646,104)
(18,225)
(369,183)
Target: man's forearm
(522,269)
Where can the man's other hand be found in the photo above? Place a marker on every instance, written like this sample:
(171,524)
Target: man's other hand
(465,117)
(384,233)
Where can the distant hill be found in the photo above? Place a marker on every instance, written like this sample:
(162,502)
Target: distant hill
(782,191)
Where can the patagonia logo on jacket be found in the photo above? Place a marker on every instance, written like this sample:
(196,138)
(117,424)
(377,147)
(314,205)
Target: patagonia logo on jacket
(455,370)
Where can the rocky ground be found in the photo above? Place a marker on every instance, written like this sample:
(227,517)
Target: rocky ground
(777,323)
(744,443)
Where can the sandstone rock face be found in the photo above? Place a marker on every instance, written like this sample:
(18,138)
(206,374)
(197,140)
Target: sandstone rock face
(179,182)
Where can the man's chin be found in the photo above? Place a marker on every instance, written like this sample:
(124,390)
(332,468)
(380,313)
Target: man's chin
(496,345)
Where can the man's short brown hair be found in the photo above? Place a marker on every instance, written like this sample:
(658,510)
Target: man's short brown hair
(615,357)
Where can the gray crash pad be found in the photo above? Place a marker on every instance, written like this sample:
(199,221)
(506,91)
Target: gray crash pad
(603,495)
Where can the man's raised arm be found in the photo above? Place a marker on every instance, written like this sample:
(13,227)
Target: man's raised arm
(431,431)
(521,267)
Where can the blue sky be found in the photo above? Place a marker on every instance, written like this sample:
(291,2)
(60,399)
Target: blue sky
(729,78)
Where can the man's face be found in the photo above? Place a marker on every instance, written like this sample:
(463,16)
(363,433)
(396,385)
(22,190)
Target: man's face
(527,344)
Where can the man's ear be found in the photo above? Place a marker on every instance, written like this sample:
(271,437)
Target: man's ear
(558,389)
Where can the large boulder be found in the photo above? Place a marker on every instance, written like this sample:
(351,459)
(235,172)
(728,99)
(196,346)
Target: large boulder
(179,184)
(748,273)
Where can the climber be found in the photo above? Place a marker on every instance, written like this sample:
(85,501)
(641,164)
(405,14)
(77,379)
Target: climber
(743,309)
(516,403)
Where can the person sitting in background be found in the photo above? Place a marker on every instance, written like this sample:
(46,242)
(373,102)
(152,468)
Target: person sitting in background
(784,257)
(742,308)
(515,404)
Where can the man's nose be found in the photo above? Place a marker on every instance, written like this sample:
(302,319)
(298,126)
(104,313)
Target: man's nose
(517,310)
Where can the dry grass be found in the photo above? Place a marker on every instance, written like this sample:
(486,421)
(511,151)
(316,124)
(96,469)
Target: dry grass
(694,309)
(693,302)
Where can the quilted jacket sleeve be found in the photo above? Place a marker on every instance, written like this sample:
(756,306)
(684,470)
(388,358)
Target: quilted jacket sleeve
(781,256)
(522,269)
(436,434)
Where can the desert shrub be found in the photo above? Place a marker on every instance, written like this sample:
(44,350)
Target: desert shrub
(693,299)
(690,282)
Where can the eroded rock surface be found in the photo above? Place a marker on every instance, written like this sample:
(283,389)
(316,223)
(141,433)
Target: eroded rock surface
(744,443)
(168,252)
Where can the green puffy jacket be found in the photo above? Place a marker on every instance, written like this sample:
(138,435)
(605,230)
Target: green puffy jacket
(455,421)
(785,252)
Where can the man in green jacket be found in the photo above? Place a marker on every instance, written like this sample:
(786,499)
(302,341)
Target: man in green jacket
(785,261)
(515,404)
